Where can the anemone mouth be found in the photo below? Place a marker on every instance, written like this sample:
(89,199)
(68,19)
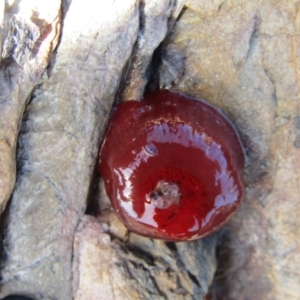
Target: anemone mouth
(165,194)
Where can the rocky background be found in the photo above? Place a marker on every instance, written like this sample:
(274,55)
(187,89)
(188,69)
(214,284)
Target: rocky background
(63,66)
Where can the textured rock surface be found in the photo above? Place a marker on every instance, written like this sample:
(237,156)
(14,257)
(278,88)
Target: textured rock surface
(58,146)
(156,19)
(128,266)
(244,57)
(28,35)
(97,266)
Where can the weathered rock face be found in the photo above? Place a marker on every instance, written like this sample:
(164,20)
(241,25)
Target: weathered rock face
(242,56)
(28,36)
(133,267)
(58,147)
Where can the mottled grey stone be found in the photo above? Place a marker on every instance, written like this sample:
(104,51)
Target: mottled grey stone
(116,264)
(26,44)
(58,146)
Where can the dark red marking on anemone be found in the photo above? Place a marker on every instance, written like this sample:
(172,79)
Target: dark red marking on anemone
(172,166)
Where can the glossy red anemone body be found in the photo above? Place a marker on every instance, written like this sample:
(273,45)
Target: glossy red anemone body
(172,166)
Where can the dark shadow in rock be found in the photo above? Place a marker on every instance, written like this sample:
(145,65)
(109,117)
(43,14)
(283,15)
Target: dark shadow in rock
(17,297)
(93,203)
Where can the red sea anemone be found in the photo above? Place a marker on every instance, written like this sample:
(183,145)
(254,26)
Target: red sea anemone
(172,166)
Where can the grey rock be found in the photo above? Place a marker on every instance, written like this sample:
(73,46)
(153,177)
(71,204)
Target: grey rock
(156,19)
(111,262)
(26,44)
(58,146)
(172,66)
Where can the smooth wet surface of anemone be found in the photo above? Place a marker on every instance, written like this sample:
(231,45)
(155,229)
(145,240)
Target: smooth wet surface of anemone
(172,166)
